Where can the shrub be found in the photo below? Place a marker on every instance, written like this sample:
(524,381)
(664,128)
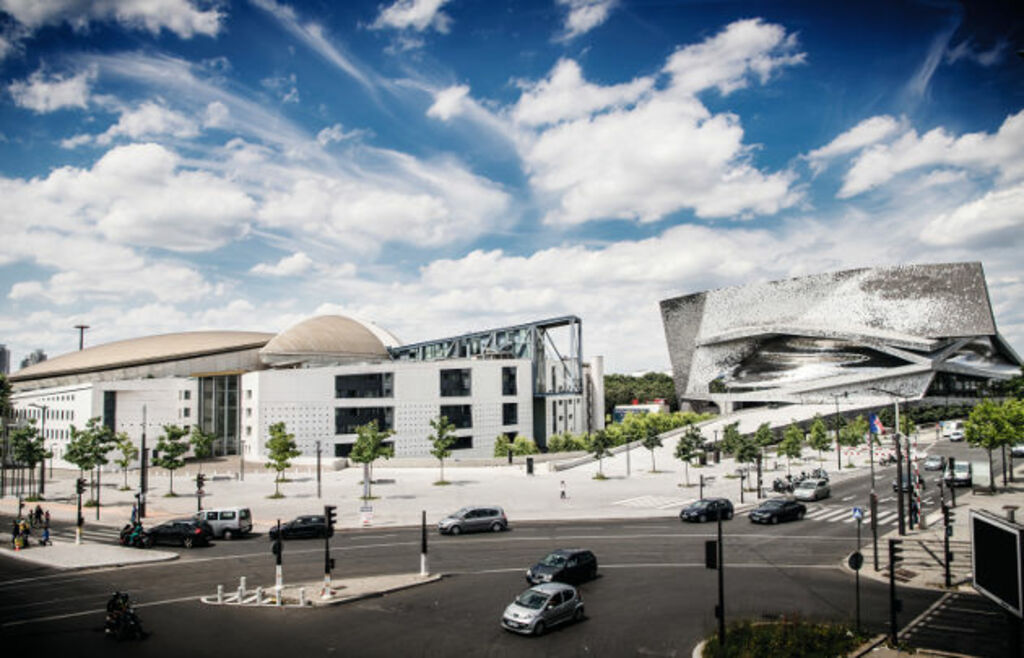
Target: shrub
(790,637)
(524,446)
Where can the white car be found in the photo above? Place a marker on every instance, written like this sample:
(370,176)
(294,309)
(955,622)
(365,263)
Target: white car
(812,489)
(956,435)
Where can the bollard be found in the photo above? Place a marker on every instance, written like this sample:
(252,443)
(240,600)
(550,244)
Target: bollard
(302,596)
(220,594)
(259,595)
(241,587)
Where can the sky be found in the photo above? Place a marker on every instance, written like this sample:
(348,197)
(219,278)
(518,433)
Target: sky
(445,166)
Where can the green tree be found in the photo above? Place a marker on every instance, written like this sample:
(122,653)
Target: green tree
(370,446)
(853,433)
(281,450)
(170,447)
(442,440)
(202,444)
(600,442)
(819,439)
(689,445)
(747,450)
(791,446)
(651,440)
(129,453)
(28,448)
(731,438)
(990,426)
(623,389)
(88,448)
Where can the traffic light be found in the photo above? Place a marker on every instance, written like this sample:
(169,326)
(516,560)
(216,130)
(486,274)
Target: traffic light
(80,486)
(895,552)
(947,519)
(200,481)
(331,515)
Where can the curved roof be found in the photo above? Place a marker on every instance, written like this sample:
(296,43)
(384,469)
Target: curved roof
(148,349)
(325,338)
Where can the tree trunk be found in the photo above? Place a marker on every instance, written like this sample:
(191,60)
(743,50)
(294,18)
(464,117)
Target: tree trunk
(125,469)
(442,470)
(991,475)
(654,469)
(277,484)
(686,469)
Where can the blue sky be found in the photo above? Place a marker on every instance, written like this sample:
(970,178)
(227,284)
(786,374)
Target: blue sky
(441,166)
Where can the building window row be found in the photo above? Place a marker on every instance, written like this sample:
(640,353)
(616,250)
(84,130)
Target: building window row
(459,415)
(456,382)
(348,419)
(372,385)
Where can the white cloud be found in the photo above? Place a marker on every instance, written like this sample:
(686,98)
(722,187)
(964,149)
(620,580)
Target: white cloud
(285,86)
(584,15)
(297,263)
(865,133)
(448,102)
(181,17)
(994,219)
(564,94)
(336,133)
(42,93)
(966,50)
(999,153)
(418,15)
(149,119)
(138,194)
(215,115)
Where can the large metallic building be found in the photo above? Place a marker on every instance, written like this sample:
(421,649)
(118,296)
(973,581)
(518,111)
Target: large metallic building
(910,331)
(323,377)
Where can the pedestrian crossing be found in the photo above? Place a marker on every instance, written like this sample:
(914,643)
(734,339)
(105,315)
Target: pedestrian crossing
(844,514)
(654,502)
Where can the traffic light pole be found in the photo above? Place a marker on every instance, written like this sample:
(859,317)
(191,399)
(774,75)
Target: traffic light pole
(278,573)
(894,603)
(424,570)
(874,526)
(899,485)
(79,487)
(318,469)
(721,586)
(329,518)
(947,531)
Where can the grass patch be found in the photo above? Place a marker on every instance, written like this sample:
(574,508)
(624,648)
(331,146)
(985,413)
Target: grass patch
(850,466)
(790,637)
(372,497)
(170,494)
(600,476)
(33,499)
(683,484)
(90,503)
(124,488)
(442,483)
(731,476)
(275,496)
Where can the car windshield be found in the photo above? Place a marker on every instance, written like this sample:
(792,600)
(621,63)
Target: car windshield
(700,504)
(808,484)
(772,504)
(553,560)
(962,468)
(532,599)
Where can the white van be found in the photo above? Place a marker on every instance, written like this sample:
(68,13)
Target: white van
(227,522)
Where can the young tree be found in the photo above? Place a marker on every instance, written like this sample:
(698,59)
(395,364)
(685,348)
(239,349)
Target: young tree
(281,449)
(28,448)
(853,432)
(819,439)
(731,438)
(989,426)
(747,450)
(689,445)
(600,442)
(792,444)
(170,447)
(202,444)
(764,437)
(88,448)
(442,440)
(651,441)
(369,447)
(129,453)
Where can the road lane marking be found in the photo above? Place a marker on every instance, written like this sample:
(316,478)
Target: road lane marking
(846,498)
(98,611)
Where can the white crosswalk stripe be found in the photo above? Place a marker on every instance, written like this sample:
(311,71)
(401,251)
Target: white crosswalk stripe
(843,514)
(657,502)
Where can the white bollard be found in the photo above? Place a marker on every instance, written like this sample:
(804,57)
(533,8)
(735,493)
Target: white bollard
(220,594)
(259,595)
(302,596)
(423,564)
(241,588)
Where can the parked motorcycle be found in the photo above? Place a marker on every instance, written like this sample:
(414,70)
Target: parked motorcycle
(819,473)
(782,486)
(122,623)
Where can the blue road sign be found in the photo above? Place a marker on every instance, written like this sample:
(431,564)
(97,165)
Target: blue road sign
(858,513)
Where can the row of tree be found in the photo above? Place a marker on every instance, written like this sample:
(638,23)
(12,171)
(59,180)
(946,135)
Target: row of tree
(995,425)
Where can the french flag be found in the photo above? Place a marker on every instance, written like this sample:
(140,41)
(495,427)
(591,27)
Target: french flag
(875,425)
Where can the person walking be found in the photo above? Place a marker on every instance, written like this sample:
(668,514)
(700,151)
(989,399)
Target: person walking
(45,541)
(46,519)
(563,489)
(38,515)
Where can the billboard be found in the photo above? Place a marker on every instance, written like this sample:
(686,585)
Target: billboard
(996,560)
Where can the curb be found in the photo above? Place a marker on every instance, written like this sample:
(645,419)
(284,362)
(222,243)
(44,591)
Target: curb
(157,556)
(433,578)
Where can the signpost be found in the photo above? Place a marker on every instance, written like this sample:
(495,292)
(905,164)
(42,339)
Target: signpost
(998,573)
(857,561)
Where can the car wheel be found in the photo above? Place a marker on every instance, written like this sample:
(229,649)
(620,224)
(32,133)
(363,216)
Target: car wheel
(702,518)
(456,530)
(228,535)
(539,629)
(593,573)
(728,516)
(187,541)
(800,515)
(496,527)
(775,520)
(147,541)
(578,615)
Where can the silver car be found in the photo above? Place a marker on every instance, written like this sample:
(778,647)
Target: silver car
(474,519)
(812,489)
(541,607)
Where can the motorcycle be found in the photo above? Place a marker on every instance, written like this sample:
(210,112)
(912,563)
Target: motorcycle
(782,486)
(888,459)
(122,623)
(135,536)
(819,473)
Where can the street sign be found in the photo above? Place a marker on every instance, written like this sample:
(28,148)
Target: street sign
(858,513)
(366,514)
(856,561)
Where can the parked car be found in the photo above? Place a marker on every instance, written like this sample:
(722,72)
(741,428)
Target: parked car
(304,527)
(541,607)
(706,509)
(956,435)
(907,481)
(1017,450)
(181,532)
(565,565)
(774,510)
(935,463)
(228,522)
(473,519)
(960,475)
(812,489)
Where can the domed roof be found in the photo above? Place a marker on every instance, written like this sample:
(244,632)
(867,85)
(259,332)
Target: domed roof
(148,349)
(327,339)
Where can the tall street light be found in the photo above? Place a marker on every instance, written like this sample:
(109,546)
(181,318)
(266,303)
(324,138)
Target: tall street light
(896,397)
(42,431)
(81,335)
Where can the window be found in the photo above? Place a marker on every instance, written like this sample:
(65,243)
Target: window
(460,415)
(248,394)
(455,382)
(342,449)
(462,443)
(347,419)
(508,381)
(186,395)
(509,413)
(248,412)
(227,516)
(371,385)
(186,412)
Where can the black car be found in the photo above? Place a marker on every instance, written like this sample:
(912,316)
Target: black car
(907,481)
(707,509)
(565,565)
(774,510)
(304,527)
(181,532)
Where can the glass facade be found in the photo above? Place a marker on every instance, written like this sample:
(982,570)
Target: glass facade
(462,443)
(218,411)
(110,409)
(371,385)
(456,382)
(508,381)
(347,419)
(460,415)
(509,413)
